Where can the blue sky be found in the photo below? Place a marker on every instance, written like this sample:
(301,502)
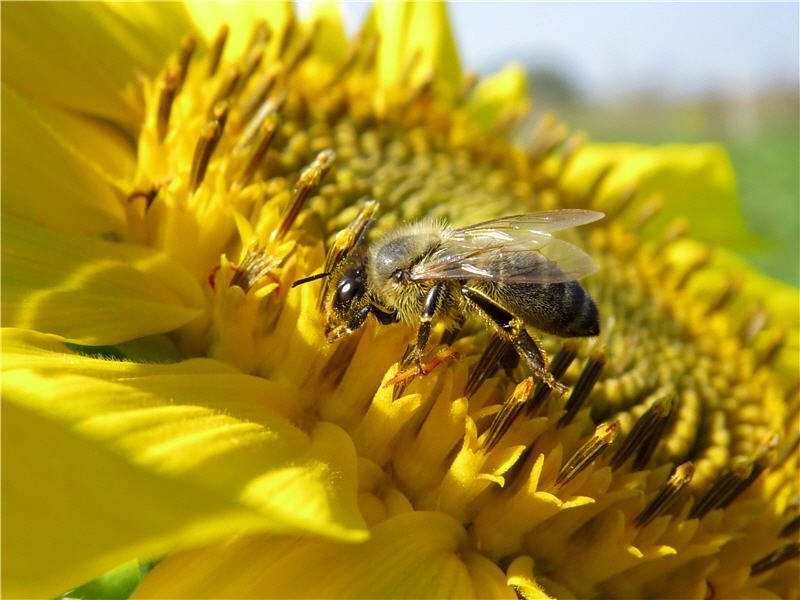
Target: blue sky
(614,48)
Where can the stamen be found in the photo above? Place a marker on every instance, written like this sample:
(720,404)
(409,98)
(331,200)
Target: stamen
(268,129)
(185,57)
(764,458)
(791,527)
(558,366)
(166,98)
(773,347)
(589,376)
(646,433)
(753,323)
(650,208)
(209,138)
(548,135)
(467,86)
(724,296)
(149,194)
(255,265)
(286,35)
(309,181)
(227,86)
(258,96)
(667,495)
(302,51)
(508,414)
(260,35)
(696,265)
(722,488)
(217,47)
(486,365)
(604,435)
(773,559)
(250,66)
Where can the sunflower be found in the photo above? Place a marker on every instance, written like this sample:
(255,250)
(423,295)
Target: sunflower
(169,398)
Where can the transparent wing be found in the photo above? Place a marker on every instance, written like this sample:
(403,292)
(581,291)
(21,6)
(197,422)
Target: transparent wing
(541,222)
(515,249)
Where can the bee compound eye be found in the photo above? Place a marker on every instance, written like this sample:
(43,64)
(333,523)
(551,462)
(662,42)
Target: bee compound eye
(347,290)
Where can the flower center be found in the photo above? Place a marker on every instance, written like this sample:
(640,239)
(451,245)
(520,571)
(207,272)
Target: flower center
(671,412)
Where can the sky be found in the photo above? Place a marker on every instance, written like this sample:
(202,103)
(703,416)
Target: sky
(611,49)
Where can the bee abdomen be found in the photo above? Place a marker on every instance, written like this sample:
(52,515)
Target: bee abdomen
(563,309)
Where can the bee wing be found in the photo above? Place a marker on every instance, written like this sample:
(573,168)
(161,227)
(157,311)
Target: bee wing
(541,222)
(515,249)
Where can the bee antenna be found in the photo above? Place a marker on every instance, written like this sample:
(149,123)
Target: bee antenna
(311,278)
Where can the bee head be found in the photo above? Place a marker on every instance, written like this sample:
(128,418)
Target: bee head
(347,300)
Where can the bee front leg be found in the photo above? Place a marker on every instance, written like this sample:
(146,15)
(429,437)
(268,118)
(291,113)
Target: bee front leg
(424,331)
(512,329)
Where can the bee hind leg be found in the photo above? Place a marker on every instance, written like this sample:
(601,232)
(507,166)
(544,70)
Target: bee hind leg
(512,329)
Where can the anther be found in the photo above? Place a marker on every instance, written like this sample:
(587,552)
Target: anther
(256,265)
(558,366)
(773,559)
(309,181)
(258,95)
(286,35)
(486,365)
(791,527)
(209,138)
(764,457)
(773,347)
(149,195)
(604,435)
(724,296)
(227,86)
(753,323)
(410,66)
(667,495)
(548,136)
(302,52)
(184,58)
(508,414)
(467,86)
(267,133)
(217,47)
(259,36)
(721,489)
(589,376)
(650,208)
(698,264)
(166,98)
(646,433)
(250,66)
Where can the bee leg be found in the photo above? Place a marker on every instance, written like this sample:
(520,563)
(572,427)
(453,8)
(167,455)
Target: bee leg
(512,329)
(384,318)
(424,331)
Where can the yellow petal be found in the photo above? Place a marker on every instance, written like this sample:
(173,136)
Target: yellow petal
(91,291)
(416,35)
(498,97)
(85,56)
(49,183)
(104,461)
(412,555)
(695,182)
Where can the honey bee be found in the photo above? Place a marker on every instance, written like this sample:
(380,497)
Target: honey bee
(511,272)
